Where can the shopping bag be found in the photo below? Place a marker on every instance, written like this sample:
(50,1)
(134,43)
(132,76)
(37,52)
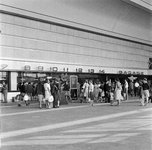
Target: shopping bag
(89,100)
(26,97)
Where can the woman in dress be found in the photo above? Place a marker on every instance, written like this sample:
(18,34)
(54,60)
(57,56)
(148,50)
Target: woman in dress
(86,90)
(118,89)
(47,90)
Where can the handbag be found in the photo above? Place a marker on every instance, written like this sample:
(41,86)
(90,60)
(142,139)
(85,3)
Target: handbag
(51,99)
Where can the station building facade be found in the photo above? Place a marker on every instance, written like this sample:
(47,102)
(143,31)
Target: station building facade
(113,39)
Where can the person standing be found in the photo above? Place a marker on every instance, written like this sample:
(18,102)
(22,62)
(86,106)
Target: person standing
(140,91)
(55,90)
(150,93)
(26,98)
(118,89)
(107,89)
(4,91)
(136,89)
(47,92)
(131,87)
(86,90)
(126,90)
(102,90)
(96,91)
(145,96)
(40,92)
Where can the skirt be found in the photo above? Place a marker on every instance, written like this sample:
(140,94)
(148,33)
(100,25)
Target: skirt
(118,95)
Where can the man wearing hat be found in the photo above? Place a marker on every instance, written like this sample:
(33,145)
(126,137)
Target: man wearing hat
(145,95)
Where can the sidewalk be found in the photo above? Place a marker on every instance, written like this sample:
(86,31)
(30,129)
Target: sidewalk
(73,103)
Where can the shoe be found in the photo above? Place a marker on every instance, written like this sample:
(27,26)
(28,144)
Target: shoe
(27,104)
(146,104)
(40,107)
(118,103)
(19,105)
(57,106)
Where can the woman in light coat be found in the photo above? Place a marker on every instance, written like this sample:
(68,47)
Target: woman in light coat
(118,89)
(47,93)
(86,90)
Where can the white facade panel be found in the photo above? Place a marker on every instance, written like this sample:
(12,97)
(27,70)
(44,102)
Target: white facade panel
(31,40)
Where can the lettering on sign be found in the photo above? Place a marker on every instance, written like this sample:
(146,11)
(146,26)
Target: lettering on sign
(79,70)
(91,70)
(101,71)
(65,69)
(53,69)
(129,72)
(27,67)
(40,68)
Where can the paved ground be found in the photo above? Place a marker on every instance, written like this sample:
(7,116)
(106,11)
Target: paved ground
(77,127)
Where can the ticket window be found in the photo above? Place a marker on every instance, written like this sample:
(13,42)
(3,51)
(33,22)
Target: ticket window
(73,86)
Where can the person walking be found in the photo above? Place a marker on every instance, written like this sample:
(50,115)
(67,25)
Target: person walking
(40,93)
(118,89)
(66,88)
(29,89)
(4,91)
(145,96)
(91,91)
(22,89)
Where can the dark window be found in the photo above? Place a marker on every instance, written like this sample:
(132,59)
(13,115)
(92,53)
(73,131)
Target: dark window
(150,63)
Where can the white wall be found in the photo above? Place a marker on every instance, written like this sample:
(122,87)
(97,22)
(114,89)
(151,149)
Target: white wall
(34,43)
(113,17)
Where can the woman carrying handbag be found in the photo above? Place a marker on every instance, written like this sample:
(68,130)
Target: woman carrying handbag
(48,96)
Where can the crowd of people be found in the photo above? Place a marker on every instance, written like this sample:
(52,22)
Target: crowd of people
(47,92)
(115,91)
(112,91)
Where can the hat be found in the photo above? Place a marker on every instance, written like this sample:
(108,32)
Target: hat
(145,79)
(48,78)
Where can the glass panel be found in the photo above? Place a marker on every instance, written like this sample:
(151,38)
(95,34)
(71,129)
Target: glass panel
(13,79)
(3,77)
